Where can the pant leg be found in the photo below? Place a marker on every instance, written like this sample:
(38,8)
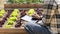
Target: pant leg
(33,28)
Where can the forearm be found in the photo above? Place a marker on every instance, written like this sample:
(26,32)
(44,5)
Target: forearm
(36,16)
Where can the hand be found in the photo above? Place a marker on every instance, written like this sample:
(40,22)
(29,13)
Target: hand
(36,16)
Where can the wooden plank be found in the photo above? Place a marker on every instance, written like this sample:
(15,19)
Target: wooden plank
(13,31)
(23,5)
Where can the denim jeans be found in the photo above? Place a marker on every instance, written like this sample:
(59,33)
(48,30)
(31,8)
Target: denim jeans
(34,28)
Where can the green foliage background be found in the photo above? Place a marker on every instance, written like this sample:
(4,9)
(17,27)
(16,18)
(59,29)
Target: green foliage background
(26,1)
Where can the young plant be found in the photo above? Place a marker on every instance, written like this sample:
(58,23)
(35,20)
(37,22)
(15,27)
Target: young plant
(10,22)
(31,12)
(2,11)
(16,10)
(1,15)
(14,14)
(8,26)
(13,18)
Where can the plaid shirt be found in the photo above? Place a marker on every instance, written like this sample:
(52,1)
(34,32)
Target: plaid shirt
(52,18)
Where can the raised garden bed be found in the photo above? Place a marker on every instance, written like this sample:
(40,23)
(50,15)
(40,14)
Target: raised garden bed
(16,29)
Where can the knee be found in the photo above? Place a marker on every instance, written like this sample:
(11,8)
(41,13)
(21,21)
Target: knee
(28,25)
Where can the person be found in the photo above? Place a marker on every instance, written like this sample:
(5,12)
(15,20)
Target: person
(36,28)
(53,11)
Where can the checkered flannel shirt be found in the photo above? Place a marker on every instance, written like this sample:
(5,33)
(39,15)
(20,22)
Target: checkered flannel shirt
(52,18)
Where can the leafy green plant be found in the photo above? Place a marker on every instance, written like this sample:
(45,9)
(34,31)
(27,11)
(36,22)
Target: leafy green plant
(34,1)
(29,1)
(2,12)
(41,1)
(8,26)
(10,22)
(14,14)
(10,1)
(16,10)
(1,15)
(31,12)
(22,1)
(16,1)
(13,18)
